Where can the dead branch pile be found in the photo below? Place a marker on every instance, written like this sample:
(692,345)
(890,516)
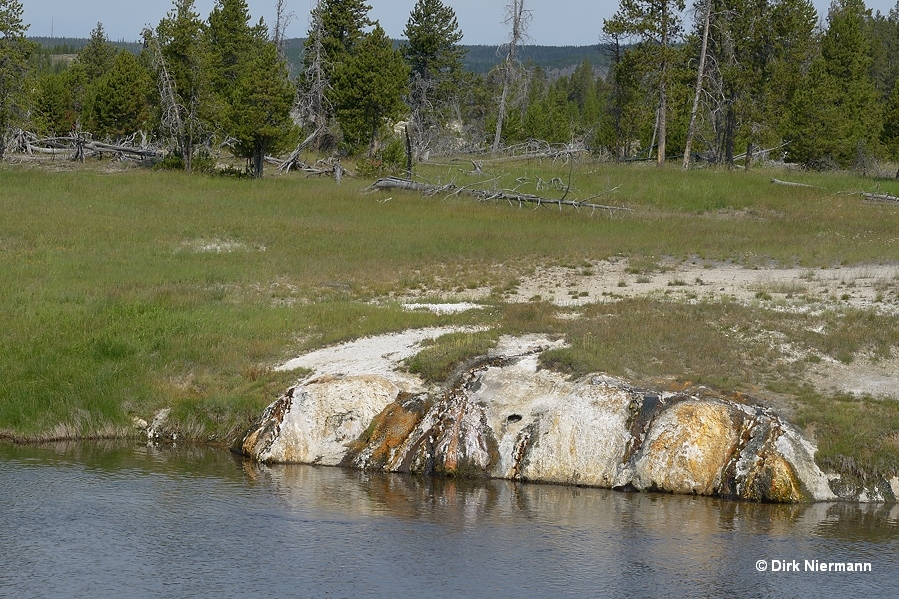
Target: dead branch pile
(81,145)
(329,167)
(509,195)
(539,149)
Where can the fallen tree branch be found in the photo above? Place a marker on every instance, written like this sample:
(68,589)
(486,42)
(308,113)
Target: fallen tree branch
(292,160)
(388,183)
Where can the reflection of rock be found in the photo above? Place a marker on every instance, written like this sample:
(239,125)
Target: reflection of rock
(506,418)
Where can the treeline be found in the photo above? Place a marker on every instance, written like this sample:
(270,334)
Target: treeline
(726,82)
(754,74)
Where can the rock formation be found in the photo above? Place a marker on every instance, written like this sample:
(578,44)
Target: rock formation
(504,417)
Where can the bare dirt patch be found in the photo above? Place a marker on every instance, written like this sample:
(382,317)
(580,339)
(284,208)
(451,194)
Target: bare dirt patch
(866,287)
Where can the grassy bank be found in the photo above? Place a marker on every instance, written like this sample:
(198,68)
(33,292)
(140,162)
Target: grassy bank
(122,293)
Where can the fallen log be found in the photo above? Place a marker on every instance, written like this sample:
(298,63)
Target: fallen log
(511,196)
(292,160)
(793,184)
(127,150)
(880,197)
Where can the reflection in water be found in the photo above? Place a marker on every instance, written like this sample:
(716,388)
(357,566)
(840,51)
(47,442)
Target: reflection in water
(115,520)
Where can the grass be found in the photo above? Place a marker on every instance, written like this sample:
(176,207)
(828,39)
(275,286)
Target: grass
(439,359)
(857,436)
(127,292)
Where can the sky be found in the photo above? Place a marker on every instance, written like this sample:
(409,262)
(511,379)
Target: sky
(555,22)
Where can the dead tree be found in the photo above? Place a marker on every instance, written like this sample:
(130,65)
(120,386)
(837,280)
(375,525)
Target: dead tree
(509,195)
(282,20)
(518,17)
(312,103)
(700,73)
(172,110)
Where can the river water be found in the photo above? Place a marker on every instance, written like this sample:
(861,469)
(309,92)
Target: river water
(113,520)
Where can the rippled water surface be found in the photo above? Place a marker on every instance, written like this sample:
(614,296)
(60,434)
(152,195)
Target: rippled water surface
(95,520)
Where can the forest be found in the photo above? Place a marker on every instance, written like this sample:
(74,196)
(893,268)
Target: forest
(727,82)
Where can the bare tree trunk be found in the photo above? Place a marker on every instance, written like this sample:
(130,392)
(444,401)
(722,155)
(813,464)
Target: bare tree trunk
(663,109)
(258,162)
(730,130)
(518,17)
(313,103)
(282,20)
(691,131)
(171,118)
(663,99)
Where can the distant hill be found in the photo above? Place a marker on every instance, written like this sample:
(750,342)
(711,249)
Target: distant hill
(480,59)
(72,45)
(556,60)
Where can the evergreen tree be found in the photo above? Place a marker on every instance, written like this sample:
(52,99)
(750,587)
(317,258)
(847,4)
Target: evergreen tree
(98,56)
(890,134)
(180,35)
(369,89)
(54,104)
(336,26)
(119,102)
(432,50)
(847,128)
(434,57)
(794,45)
(343,24)
(14,52)
(230,40)
(258,115)
(882,32)
(252,93)
(182,79)
(738,49)
(656,24)
(628,112)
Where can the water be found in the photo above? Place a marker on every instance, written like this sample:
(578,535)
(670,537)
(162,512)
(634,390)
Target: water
(95,520)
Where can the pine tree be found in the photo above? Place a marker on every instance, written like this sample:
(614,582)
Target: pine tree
(14,52)
(230,40)
(656,24)
(118,103)
(181,78)
(793,47)
(369,88)
(336,26)
(54,104)
(252,93)
(890,134)
(432,50)
(343,24)
(98,56)
(258,115)
(434,57)
(836,113)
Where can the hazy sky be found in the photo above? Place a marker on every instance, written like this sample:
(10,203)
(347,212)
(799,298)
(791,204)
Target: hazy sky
(556,22)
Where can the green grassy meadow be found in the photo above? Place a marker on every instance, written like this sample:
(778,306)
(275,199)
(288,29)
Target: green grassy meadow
(125,292)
